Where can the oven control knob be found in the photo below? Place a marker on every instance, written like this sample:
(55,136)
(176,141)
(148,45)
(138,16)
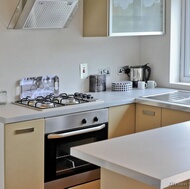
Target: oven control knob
(95,119)
(84,121)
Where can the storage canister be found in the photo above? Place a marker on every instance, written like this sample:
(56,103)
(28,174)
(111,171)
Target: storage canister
(3,97)
(97,83)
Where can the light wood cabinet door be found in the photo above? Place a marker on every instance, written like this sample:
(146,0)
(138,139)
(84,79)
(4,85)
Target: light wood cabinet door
(24,155)
(95,18)
(121,120)
(147,117)
(170,117)
(91,185)
(103,18)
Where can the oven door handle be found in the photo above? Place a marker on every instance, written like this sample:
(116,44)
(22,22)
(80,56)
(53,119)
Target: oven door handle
(73,133)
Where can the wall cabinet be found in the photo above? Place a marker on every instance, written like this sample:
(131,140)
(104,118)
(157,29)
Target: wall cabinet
(123,18)
(91,185)
(95,18)
(147,117)
(121,120)
(24,155)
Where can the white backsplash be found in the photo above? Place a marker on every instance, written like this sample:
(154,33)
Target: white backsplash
(30,53)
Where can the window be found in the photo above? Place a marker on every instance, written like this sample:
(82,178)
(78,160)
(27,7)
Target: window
(185,41)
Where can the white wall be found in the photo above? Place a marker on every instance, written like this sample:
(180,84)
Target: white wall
(156,51)
(61,51)
(27,53)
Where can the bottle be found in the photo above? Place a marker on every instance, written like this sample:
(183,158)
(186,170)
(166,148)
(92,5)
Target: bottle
(3,97)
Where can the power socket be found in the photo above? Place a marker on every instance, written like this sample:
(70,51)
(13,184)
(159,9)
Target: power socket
(83,71)
(122,70)
(105,71)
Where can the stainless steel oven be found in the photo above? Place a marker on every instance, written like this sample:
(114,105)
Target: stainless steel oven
(61,169)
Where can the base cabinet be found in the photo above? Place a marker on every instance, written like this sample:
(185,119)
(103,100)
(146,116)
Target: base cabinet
(147,117)
(150,117)
(170,117)
(24,155)
(91,185)
(121,120)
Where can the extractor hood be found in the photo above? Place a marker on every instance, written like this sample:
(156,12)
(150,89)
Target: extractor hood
(43,14)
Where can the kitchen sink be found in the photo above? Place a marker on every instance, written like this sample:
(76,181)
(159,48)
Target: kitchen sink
(178,97)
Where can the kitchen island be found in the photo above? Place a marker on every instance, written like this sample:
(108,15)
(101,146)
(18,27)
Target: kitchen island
(157,158)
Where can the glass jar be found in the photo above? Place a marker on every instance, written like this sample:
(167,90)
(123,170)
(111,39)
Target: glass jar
(3,97)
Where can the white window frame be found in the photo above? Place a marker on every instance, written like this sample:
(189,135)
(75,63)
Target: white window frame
(185,41)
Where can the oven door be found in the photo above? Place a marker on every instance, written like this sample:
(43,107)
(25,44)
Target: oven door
(58,161)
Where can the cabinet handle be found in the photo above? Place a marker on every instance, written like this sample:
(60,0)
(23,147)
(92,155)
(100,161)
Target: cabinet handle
(147,112)
(22,131)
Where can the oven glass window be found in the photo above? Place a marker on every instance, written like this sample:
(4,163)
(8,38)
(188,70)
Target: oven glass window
(58,161)
(64,161)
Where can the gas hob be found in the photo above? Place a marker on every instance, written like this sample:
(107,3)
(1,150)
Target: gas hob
(54,101)
(43,93)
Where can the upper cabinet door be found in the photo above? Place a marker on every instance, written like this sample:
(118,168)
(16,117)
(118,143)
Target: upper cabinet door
(95,18)
(136,17)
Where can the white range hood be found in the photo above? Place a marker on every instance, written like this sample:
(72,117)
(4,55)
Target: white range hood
(43,14)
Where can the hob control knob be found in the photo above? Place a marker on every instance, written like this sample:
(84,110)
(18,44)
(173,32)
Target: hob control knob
(88,96)
(95,119)
(84,121)
(84,96)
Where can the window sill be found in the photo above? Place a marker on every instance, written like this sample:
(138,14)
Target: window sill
(180,85)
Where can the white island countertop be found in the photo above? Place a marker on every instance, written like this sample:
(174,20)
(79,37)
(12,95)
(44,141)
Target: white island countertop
(158,157)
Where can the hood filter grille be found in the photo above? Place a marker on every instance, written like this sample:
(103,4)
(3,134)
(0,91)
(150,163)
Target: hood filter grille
(47,14)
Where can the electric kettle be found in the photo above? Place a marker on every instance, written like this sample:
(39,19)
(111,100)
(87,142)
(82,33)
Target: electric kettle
(138,73)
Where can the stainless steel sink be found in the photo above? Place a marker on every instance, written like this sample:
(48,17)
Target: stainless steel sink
(178,97)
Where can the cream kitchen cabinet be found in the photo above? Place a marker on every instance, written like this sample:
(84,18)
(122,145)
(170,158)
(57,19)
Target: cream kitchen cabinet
(170,117)
(150,117)
(121,120)
(95,18)
(91,185)
(111,18)
(147,117)
(24,155)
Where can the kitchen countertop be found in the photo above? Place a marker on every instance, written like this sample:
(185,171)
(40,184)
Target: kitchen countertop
(13,113)
(152,160)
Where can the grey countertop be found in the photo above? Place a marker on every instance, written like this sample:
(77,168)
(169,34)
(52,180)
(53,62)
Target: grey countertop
(13,113)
